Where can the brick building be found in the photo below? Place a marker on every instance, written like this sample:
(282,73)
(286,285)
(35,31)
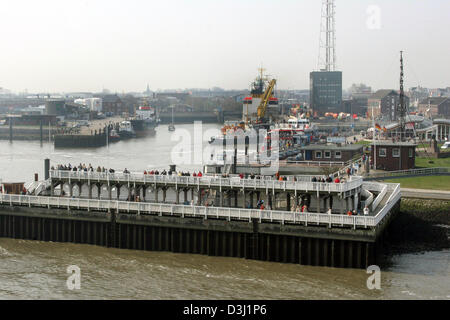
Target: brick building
(113,104)
(384,103)
(393,156)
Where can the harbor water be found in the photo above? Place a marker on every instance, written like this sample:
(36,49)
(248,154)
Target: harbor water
(38,270)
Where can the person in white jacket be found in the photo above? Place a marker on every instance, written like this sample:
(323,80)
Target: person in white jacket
(366,211)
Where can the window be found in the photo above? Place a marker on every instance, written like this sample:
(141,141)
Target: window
(382,152)
(411,152)
(328,154)
(396,152)
(318,154)
(337,155)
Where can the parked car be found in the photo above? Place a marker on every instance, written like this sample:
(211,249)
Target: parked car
(446,145)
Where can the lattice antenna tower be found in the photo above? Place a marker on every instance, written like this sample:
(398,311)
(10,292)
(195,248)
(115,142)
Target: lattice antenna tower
(327,41)
(402,106)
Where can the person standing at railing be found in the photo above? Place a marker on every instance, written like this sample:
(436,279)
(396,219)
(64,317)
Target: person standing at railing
(329,211)
(366,210)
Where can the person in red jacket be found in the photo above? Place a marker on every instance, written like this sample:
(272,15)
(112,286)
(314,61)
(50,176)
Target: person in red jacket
(337,180)
(199,174)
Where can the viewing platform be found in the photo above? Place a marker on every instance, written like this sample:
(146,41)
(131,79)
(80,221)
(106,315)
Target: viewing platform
(302,183)
(219,216)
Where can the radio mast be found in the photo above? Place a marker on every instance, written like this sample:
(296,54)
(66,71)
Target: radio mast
(401,106)
(327,41)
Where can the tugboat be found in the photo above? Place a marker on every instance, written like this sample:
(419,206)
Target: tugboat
(113,136)
(126,130)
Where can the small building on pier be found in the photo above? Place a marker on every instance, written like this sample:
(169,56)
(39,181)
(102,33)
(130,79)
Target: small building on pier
(393,155)
(332,152)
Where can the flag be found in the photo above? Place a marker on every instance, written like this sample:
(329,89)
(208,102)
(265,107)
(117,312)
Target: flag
(377,126)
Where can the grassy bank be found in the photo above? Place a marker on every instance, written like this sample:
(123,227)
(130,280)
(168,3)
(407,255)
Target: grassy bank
(426,182)
(423,162)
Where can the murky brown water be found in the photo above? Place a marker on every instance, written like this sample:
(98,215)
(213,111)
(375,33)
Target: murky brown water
(37,270)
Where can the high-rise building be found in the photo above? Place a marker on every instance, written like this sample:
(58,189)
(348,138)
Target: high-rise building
(326,91)
(326,84)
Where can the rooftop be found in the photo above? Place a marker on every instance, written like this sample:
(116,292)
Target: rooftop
(380,94)
(344,147)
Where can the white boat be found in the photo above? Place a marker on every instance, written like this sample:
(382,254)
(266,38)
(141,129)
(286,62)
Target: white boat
(126,130)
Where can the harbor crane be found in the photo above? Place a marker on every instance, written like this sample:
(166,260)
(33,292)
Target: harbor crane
(262,108)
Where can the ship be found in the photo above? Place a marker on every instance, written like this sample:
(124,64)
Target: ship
(126,130)
(260,110)
(145,121)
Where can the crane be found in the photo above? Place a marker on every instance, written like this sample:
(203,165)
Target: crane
(265,99)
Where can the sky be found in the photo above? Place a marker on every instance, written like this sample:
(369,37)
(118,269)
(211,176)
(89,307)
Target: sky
(89,45)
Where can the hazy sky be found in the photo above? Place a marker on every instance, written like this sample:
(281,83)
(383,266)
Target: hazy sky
(87,45)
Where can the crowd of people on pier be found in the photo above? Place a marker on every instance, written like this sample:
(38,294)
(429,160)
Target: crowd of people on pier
(302,207)
(89,168)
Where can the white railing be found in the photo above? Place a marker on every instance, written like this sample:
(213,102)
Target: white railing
(315,163)
(369,197)
(411,172)
(379,197)
(393,198)
(208,181)
(205,212)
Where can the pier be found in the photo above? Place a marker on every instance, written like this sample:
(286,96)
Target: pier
(231,192)
(158,223)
